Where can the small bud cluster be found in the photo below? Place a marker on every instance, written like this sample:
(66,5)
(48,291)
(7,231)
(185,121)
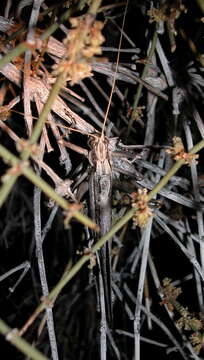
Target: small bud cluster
(187,320)
(142,210)
(177,151)
(83,42)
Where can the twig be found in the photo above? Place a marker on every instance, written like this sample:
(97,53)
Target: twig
(42,271)
(142,338)
(12,336)
(165,65)
(27,64)
(25,265)
(91,98)
(199,215)
(145,251)
(49,222)
(191,248)
(190,257)
(103,322)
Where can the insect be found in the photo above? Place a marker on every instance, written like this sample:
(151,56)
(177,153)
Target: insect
(107,158)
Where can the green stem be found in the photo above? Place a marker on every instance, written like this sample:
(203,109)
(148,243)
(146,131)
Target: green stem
(199,146)
(201,4)
(94,7)
(18,50)
(52,28)
(20,343)
(144,73)
(51,8)
(6,188)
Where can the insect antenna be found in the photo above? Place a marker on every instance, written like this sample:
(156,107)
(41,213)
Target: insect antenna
(116,70)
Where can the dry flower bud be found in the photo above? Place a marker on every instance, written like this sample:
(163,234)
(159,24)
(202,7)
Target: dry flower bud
(170,294)
(11,334)
(156,15)
(177,151)
(137,113)
(83,42)
(70,213)
(167,12)
(196,340)
(4,115)
(87,251)
(140,203)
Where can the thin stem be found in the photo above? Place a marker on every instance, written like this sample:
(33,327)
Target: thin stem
(103,322)
(42,271)
(20,343)
(189,255)
(18,50)
(140,290)
(30,38)
(200,4)
(197,197)
(24,265)
(94,7)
